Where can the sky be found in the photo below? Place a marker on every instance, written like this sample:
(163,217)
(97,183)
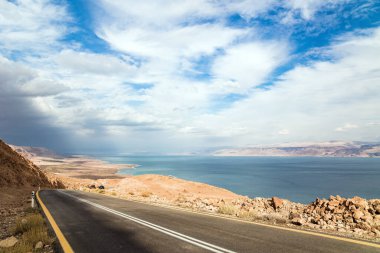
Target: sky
(164,76)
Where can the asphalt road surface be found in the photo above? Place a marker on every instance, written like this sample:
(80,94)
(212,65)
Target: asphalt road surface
(96,223)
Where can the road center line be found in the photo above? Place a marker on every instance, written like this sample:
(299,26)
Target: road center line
(191,240)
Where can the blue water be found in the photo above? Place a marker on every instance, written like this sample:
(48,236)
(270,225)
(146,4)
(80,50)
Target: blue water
(299,179)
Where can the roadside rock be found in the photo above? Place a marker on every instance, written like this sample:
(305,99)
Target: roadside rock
(24,221)
(365,226)
(39,245)
(8,242)
(359,203)
(357,214)
(294,215)
(298,221)
(277,203)
(376,220)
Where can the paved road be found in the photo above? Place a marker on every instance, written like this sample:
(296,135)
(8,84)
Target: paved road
(96,223)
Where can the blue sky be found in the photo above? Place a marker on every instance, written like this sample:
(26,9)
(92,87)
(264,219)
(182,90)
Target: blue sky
(184,76)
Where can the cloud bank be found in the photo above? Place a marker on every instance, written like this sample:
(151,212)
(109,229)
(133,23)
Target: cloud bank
(125,77)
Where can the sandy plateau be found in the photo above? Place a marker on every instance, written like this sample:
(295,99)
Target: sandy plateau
(350,217)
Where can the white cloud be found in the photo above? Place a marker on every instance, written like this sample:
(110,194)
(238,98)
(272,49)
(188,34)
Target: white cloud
(346,127)
(307,8)
(249,64)
(164,52)
(248,8)
(310,101)
(93,64)
(174,13)
(40,87)
(169,42)
(31,26)
(146,13)
(17,80)
(144,88)
(283,132)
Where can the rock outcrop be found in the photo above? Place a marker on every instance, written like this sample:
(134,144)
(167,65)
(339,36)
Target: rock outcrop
(355,215)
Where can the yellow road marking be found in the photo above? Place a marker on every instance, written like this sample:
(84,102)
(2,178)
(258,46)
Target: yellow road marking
(62,239)
(369,244)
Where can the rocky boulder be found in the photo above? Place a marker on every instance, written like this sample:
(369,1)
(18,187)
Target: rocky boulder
(39,245)
(277,203)
(8,242)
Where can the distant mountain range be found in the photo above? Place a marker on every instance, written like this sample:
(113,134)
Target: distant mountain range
(30,152)
(322,149)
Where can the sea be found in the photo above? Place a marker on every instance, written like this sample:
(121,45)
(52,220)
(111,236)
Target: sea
(299,179)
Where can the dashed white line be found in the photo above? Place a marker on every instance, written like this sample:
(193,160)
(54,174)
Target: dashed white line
(191,240)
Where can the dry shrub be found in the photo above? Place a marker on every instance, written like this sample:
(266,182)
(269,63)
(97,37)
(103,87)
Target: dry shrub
(33,230)
(36,234)
(30,209)
(101,191)
(274,217)
(228,209)
(248,215)
(181,199)
(32,221)
(146,194)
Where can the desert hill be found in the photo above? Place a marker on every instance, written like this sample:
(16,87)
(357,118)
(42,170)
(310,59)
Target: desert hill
(31,152)
(16,171)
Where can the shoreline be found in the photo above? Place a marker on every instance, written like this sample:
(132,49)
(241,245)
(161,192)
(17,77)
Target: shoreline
(350,217)
(94,168)
(253,177)
(131,168)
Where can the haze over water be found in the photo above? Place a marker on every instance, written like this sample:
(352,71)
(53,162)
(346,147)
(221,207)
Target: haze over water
(299,179)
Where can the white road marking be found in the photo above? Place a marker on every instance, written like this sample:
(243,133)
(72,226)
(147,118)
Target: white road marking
(191,240)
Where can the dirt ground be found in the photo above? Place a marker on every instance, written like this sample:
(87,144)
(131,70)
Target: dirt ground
(13,203)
